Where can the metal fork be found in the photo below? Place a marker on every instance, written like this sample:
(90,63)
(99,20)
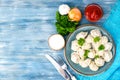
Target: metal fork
(64,66)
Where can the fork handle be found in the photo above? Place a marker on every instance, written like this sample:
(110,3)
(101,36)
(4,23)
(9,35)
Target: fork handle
(72,77)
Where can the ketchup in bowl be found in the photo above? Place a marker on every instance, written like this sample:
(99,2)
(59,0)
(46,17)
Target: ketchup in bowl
(93,12)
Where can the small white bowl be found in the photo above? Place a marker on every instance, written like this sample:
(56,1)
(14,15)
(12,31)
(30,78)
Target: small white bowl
(56,42)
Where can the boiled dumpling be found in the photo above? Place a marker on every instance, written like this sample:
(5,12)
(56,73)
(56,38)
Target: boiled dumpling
(74,45)
(85,63)
(81,35)
(100,53)
(99,62)
(86,46)
(108,46)
(95,33)
(107,56)
(95,45)
(93,66)
(81,53)
(89,39)
(91,54)
(91,49)
(104,39)
(81,62)
(75,57)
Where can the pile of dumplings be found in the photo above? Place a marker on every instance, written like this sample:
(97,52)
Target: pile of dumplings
(91,49)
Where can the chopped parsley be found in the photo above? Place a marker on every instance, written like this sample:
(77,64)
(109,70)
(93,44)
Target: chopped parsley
(101,47)
(81,41)
(97,39)
(96,56)
(86,54)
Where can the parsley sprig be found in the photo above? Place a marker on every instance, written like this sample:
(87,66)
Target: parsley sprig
(81,41)
(97,39)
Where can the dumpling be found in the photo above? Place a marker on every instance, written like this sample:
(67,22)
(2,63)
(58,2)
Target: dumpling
(86,46)
(99,62)
(93,66)
(95,33)
(104,40)
(81,53)
(81,35)
(75,57)
(91,54)
(80,62)
(100,53)
(95,45)
(108,46)
(85,63)
(74,45)
(89,39)
(107,56)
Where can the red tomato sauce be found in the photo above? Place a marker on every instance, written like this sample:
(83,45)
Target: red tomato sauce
(93,12)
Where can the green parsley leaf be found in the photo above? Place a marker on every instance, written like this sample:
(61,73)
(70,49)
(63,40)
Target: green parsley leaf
(86,54)
(57,16)
(96,56)
(101,47)
(81,41)
(97,39)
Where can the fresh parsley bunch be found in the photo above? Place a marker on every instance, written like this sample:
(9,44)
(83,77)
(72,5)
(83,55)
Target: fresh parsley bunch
(64,25)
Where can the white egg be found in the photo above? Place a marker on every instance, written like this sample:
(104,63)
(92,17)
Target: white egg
(93,66)
(95,33)
(81,53)
(89,39)
(99,62)
(104,39)
(108,46)
(81,35)
(85,63)
(86,46)
(107,56)
(75,57)
(91,54)
(64,9)
(74,45)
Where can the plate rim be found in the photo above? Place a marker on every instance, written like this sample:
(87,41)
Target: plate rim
(78,72)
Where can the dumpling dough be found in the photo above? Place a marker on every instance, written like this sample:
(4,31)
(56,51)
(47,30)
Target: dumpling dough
(74,45)
(99,62)
(95,33)
(103,40)
(86,46)
(107,56)
(95,45)
(85,63)
(75,57)
(81,53)
(81,35)
(91,54)
(89,39)
(100,53)
(93,66)
(108,46)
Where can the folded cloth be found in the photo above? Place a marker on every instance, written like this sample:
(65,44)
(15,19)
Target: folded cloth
(112,25)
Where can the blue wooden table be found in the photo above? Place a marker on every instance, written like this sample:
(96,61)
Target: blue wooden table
(25,26)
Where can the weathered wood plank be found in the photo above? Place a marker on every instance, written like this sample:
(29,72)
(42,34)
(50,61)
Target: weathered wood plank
(25,26)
